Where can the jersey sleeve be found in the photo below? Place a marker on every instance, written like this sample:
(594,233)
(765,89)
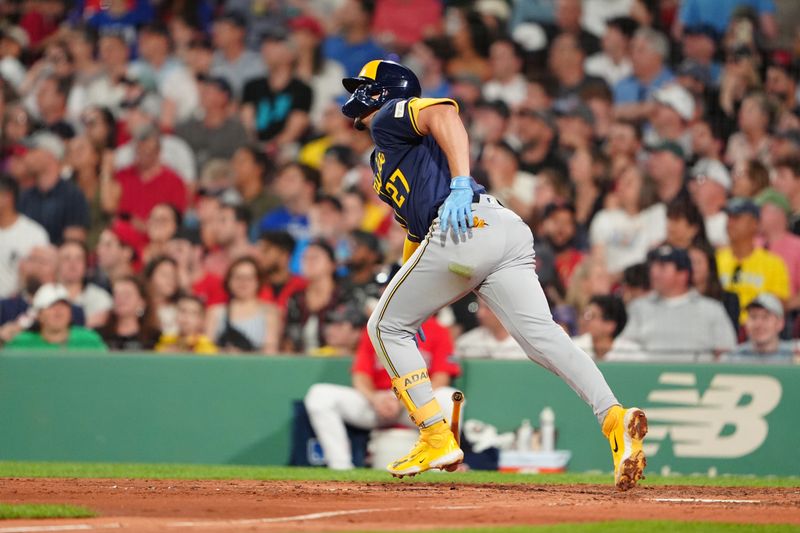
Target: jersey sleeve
(397,121)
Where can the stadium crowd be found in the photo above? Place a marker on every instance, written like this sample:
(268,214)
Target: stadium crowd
(177,175)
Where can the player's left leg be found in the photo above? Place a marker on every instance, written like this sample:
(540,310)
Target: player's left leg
(514,294)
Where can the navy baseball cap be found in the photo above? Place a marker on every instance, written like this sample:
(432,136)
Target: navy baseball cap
(742,206)
(702,29)
(670,254)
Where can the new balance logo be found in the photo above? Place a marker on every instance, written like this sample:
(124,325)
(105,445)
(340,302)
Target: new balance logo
(727,420)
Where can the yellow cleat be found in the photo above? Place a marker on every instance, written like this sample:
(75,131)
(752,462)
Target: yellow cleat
(436,448)
(625,429)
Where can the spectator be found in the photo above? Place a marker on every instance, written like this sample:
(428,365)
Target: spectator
(275,250)
(336,169)
(51,103)
(685,225)
(81,42)
(37,269)
(218,132)
(161,279)
(565,61)
(361,285)
(162,225)
(174,82)
(471,42)
(92,171)
(507,83)
(718,15)
(13,42)
(513,187)
(343,331)
(749,179)
(700,46)
(231,229)
(264,105)
(307,311)
(635,282)
(674,322)
(245,323)
(73,263)
(765,321)
(56,204)
(113,52)
(672,113)
(322,75)
(100,127)
(774,226)
(649,50)
(614,62)
(191,321)
(18,236)
(705,280)
(199,58)
(133,324)
(232,60)
(602,322)
(558,229)
(787,182)
(53,327)
(785,144)
(705,140)
(709,188)
(590,278)
(747,269)
(753,139)
(490,340)
(187,252)
(623,145)
(667,166)
(432,54)
(250,168)
(117,253)
(148,182)
(370,402)
(624,235)
(538,135)
(353,46)
(296,185)
(490,124)
(142,116)
(780,82)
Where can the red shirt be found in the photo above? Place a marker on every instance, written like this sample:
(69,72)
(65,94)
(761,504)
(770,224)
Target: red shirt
(437,351)
(210,288)
(139,197)
(293,285)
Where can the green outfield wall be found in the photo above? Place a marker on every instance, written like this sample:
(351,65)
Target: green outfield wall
(237,410)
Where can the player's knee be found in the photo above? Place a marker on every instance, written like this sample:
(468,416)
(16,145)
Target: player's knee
(318,398)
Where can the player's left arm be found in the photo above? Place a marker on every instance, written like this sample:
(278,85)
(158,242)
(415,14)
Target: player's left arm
(444,124)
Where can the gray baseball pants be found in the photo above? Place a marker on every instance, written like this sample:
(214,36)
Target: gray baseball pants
(497,261)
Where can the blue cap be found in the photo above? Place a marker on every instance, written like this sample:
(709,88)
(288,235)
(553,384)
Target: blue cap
(742,206)
(670,254)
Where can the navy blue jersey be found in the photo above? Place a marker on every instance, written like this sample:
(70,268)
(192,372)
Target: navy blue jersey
(411,171)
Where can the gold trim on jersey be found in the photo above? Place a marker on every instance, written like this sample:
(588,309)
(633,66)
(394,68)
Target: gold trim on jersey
(415,105)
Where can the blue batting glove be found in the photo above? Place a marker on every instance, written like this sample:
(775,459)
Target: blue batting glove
(457,207)
(421,334)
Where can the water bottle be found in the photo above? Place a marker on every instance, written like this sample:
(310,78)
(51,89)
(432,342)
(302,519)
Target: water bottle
(547,423)
(524,435)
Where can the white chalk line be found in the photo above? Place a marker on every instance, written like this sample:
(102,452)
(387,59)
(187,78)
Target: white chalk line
(701,500)
(65,527)
(243,522)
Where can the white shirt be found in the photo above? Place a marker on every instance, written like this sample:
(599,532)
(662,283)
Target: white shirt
(717,229)
(12,71)
(480,343)
(627,238)
(602,66)
(16,242)
(175,83)
(512,93)
(326,86)
(621,349)
(93,300)
(175,154)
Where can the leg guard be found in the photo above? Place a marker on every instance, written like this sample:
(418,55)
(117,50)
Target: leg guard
(430,411)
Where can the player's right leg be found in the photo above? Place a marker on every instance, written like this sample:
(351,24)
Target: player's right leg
(329,408)
(514,294)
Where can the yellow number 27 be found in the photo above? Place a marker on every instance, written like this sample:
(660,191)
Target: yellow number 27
(398,197)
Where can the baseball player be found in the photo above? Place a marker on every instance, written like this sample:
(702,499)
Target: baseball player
(460,239)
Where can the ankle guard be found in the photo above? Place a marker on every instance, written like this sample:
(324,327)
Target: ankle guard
(400,386)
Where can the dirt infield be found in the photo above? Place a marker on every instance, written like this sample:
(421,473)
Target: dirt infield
(163,505)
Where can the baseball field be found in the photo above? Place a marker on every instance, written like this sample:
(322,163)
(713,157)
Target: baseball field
(41,497)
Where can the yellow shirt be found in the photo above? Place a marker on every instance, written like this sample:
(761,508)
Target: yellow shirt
(313,152)
(199,344)
(761,271)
